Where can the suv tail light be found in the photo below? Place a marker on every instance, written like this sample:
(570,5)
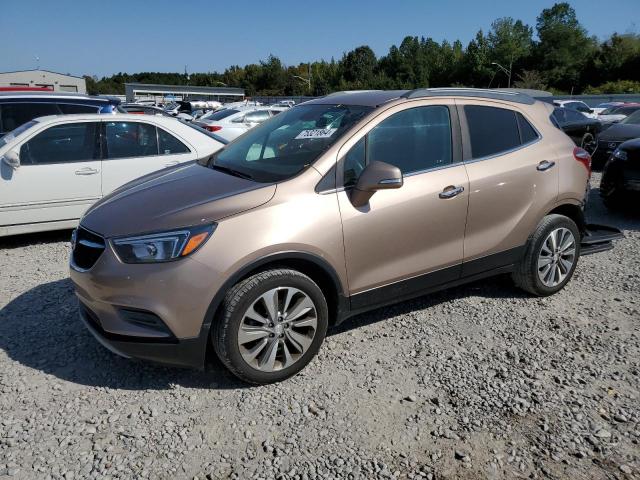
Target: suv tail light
(582,156)
(213,128)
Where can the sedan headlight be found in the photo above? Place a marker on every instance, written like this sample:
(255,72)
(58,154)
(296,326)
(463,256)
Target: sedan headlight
(161,247)
(620,154)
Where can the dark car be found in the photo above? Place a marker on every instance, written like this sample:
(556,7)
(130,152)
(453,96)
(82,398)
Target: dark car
(611,138)
(18,108)
(621,175)
(582,130)
(138,109)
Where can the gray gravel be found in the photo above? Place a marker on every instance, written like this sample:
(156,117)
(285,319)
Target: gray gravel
(480,381)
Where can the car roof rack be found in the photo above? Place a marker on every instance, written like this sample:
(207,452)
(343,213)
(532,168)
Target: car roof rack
(507,95)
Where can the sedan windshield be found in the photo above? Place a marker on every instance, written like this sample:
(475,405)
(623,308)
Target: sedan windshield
(286,144)
(633,119)
(6,138)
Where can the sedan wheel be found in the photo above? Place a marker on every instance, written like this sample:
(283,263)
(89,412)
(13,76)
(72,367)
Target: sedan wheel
(589,143)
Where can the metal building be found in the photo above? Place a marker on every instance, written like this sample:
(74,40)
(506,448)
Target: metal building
(182,92)
(43,78)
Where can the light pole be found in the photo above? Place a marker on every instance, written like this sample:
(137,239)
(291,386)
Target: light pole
(507,72)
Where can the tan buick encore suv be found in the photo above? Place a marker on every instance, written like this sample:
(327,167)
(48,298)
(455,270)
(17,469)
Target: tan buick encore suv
(339,205)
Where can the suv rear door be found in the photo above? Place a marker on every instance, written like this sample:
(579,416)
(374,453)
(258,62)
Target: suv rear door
(59,176)
(513,182)
(408,239)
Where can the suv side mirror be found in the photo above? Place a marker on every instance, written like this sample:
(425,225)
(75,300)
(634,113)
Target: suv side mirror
(376,176)
(12,158)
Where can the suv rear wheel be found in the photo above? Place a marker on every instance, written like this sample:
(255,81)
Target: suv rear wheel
(271,325)
(550,258)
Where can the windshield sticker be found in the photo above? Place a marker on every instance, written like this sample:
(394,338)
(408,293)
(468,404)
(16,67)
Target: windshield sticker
(316,133)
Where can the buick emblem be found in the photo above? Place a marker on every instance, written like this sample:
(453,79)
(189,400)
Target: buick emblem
(612,144)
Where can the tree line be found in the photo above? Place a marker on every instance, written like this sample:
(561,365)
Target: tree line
(563,58)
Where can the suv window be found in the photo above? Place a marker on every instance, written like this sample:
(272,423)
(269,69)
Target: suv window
(492,130)
(170,145)
(130,139)
(71,142)
(15,114)
(75,108)
(413,140)
(527,132)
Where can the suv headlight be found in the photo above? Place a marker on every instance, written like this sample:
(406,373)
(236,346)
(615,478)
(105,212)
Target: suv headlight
(163,246)
(620,154)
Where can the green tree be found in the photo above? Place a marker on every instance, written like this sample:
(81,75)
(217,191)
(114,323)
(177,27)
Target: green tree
(564,48)
(509,41)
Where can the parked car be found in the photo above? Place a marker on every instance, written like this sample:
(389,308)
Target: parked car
(190,107)
(230,123)
(618,113)
(17,108)
(284,104)
(577,106)
(140,109)
(620,185)
(53,168)
(598,109)
(336,206)
(582,130)
(611,138)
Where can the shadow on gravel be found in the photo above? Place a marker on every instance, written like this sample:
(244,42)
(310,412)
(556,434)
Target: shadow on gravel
(494,287)
(597,213)
(41,329)
(18,241)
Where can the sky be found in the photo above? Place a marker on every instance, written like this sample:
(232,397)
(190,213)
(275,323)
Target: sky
(104,37)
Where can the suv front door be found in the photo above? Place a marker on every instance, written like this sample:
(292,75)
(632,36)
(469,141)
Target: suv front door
(58,179)
(409,239)
(513,182)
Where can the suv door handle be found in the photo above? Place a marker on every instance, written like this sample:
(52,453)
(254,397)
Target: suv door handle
(545,165)
(451,191)
(172,163)
(86,171)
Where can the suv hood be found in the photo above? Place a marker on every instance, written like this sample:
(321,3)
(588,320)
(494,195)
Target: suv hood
(181,196)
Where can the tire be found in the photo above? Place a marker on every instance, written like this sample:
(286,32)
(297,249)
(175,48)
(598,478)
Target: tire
(245,318)
(537,280)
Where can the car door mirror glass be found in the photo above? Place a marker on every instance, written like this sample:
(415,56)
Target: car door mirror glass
(12,159)
(375,176)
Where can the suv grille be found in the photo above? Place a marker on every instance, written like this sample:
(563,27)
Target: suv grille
(87,248)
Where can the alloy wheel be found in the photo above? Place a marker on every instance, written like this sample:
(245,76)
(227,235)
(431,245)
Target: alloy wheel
(589,143)
(557,256)
(277,329)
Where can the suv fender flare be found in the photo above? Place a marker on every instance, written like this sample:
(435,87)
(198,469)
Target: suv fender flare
(274,258)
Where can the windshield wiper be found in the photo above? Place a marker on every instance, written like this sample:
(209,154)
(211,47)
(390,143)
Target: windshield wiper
(231,171)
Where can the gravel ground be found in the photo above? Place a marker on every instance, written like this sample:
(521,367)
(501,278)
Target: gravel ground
(480,381)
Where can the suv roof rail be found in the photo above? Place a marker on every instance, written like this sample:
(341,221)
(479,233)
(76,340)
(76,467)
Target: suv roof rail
(507,95)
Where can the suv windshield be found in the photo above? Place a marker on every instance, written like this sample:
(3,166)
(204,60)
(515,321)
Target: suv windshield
(288,143)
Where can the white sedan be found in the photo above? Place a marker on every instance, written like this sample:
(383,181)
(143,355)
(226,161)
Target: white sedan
(53,168)
(230,123)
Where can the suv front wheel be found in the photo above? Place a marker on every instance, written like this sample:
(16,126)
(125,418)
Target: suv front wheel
(271,325)
(550,258)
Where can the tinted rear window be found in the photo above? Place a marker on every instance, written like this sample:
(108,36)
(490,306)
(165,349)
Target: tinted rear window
(74,108)
(227,112)
(491,130)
